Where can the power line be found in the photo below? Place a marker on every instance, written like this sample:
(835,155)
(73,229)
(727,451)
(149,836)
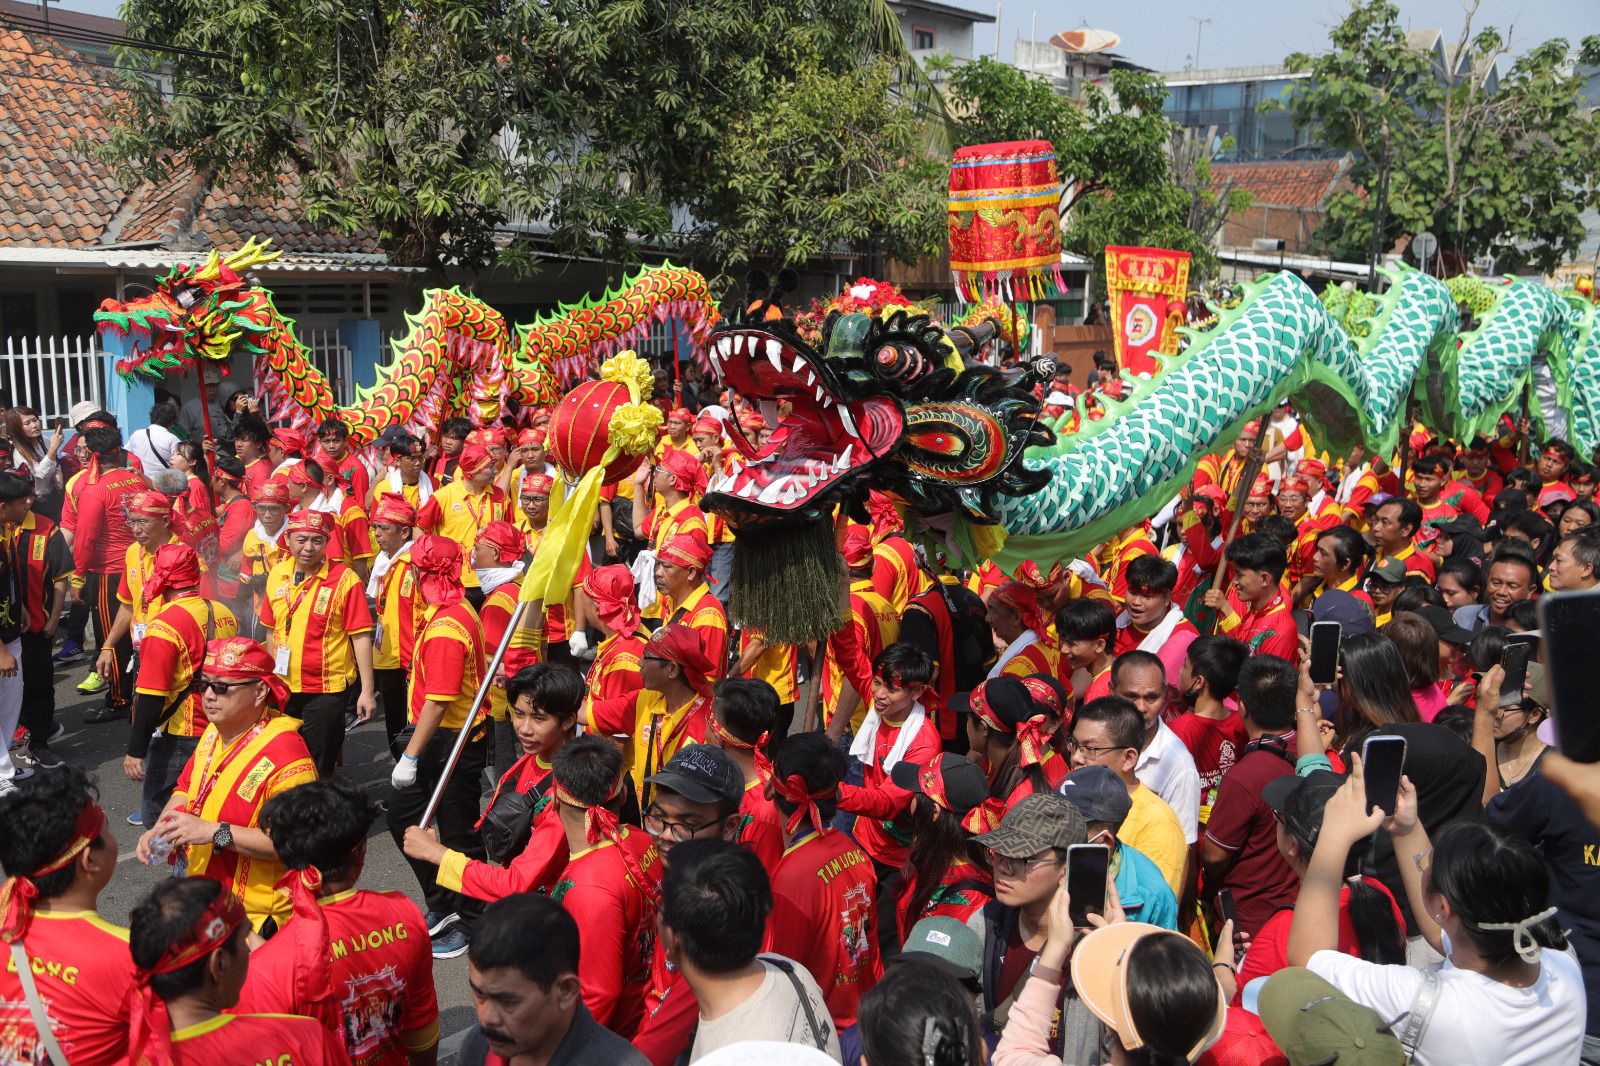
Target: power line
(31,25)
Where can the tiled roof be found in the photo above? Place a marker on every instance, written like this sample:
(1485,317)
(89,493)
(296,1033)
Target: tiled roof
(52,193)
(1282,183)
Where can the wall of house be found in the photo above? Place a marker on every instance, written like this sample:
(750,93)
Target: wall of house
(1295,226)
(951,36)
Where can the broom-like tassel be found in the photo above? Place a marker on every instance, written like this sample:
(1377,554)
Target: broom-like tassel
(787,582)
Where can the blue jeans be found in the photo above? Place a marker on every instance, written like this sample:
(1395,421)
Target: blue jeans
(163,764)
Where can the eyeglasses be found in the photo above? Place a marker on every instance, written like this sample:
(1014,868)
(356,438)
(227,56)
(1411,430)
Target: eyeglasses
(220,688)
(1009,867)
(653,659)
(657,824)
(1092,749)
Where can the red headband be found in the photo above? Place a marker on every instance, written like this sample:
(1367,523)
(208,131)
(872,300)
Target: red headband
(506,540)
(393,509)
(304,521)
(437,562)
(536,485)
(1295,484)
(530,437)
(150,1034)
(857,547)
(680,414)
(685,470)
(474,457)
(242,659)
(298,475)
(290,440)
(176,567)
(1024,601)
(601,823)
(18,893)
(793,791)
(273,491)
(612,590)
(687,549)
(150,505)
(680,644)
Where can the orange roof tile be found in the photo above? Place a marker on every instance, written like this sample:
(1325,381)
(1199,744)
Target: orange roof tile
(1282,183)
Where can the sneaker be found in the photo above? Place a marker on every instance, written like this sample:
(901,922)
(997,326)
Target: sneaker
(45,757)
(19,738)
(70,650)
(22,758)
(92,684)
(136,818)
(350,721)
(105,714)
(22,773)
(438,921)
(450,944)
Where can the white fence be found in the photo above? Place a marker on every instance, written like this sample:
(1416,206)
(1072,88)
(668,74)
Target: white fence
(331,357)
(50,374)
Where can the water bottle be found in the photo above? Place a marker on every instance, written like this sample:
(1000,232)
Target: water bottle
(160,851)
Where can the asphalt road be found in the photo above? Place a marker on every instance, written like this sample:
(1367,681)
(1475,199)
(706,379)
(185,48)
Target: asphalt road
(98,750)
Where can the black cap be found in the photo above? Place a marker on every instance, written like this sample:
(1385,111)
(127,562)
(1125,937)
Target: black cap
(1002,702)
(1444,624)
(962,784)
(1460,524)
(701,773)
(1299,801)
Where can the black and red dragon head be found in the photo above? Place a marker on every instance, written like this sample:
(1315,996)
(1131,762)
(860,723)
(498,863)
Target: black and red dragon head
(881,405)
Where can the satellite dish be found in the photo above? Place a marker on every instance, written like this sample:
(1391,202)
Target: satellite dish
(1085,39)
(1424,244)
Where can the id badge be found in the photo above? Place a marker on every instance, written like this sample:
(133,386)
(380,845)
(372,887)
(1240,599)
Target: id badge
(377,634)
(281,664)
(138,633)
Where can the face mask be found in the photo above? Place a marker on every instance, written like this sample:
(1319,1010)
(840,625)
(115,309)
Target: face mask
(1444,942)
(1190,696)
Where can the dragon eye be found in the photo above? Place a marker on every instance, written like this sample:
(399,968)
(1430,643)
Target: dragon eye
(187,297)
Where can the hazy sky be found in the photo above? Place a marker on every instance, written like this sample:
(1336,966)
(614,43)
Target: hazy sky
(1161,33)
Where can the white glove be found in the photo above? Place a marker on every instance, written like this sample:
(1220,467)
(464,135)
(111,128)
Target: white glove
(405,772)
(578,642)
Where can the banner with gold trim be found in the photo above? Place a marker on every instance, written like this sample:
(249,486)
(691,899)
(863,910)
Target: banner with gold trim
(1005,222)
(1147,288)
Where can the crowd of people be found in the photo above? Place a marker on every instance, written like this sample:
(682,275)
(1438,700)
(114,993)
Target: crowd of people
(668,840)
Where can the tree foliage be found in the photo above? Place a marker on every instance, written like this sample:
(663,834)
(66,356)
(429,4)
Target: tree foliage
(1503,173)
(597,125)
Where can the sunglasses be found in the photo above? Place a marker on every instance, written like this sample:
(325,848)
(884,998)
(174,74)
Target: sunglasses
(220,688)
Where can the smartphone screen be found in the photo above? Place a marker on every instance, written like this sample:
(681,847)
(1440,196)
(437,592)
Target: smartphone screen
(1569,621)
(1325,637)
(1087,866)
(1514,661)
(1383,759)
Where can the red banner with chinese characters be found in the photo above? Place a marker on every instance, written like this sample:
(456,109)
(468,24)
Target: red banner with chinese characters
(1147,288)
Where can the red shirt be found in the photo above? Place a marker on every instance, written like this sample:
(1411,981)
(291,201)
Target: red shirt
(237,518)
(1487,487)
(1466,499)
(85,975)
(1432,515)
(824,916)
(616,918)
(256,473)
(1269,630)
(1269,947)
(963,890)
(382,976)
(258,1038)
(100,533)
(448,664)
(1242,824)
(1215,745)
(882,830)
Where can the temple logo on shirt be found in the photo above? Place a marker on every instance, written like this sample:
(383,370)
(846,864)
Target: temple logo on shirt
(324,597)
(373,1006)
(255,779)
(855,928)
(839,864)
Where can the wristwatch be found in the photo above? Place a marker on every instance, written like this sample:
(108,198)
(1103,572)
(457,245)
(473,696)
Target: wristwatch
(223,837)
(1048,973)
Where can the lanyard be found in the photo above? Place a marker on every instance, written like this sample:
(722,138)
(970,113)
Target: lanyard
(144,579)
(294,604)
(477,512)
(214,773)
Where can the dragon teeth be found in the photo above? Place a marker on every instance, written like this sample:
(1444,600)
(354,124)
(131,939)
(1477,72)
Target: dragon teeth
(849,422)
(820,394)
(799,362)
(843,461)
(771,492)
(738,344)
(775,356)
(811,379)
(827,401)
(774,349)
(747,490)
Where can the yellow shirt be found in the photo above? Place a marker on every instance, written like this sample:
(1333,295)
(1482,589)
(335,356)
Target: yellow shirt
(315,621)
(1153,830)
(138,567)
(462,513)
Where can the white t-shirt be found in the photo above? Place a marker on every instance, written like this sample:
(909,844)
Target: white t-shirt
(1167,769)
(1476,1019)
(772,1013)
(153,445)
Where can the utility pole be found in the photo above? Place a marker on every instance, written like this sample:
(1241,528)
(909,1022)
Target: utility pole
(1199,28)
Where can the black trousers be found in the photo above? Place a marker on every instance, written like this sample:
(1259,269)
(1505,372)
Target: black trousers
(75,619)
(321,717)
(457,814)
(38,688)
(391,686)
(100,592)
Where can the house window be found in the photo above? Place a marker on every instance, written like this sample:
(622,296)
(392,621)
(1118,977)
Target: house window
(19,316)
(921,39)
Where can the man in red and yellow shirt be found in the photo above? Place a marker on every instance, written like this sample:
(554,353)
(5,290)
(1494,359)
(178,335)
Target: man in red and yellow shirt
(101,536)
(446,672)
(235,519)
(263,545)
(895,573)
(876,625)
(1429,476)
(1394,529)
(1255,610)
(1294,499)
(351,540)
(677,481)
(41,564)
(393,591)
(334,437)
(680,576)
(357,961)
(248,753)
(1226,470)
(461,509)
(671,710)
(189,1027)
(80,961)
(150,519)
(316,610)
(182,624)
(1478,472)
(616,669)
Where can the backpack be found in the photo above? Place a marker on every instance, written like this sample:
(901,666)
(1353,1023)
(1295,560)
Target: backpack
(971,639)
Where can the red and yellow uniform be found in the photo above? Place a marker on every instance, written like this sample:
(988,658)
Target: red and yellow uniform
(1466,499)
(538,866)
(1433,514)
(1487,487)
(399,616)
(616,919)
(235,520)
(883,830)
(459,512)
(778,665)
(101,536)
(382,976)
(352,533)
(824,917)
(173,651)
(138,566)
(877,625)
(262,550)
(449,663)
(895,573)
(315,620)
(256,473)
(85,977)
(43,559)
(963,890)
(231,784)
(1128,546)
(704,613)
(1224,471)
(1267,631)
(654,731)
(1417,562)
(260,1038)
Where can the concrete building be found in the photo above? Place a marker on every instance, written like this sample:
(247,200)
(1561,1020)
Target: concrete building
(931,28)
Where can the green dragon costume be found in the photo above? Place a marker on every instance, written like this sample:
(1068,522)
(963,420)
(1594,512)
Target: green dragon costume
(457,358)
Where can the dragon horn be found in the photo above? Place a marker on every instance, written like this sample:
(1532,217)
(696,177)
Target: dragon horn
(252,254)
